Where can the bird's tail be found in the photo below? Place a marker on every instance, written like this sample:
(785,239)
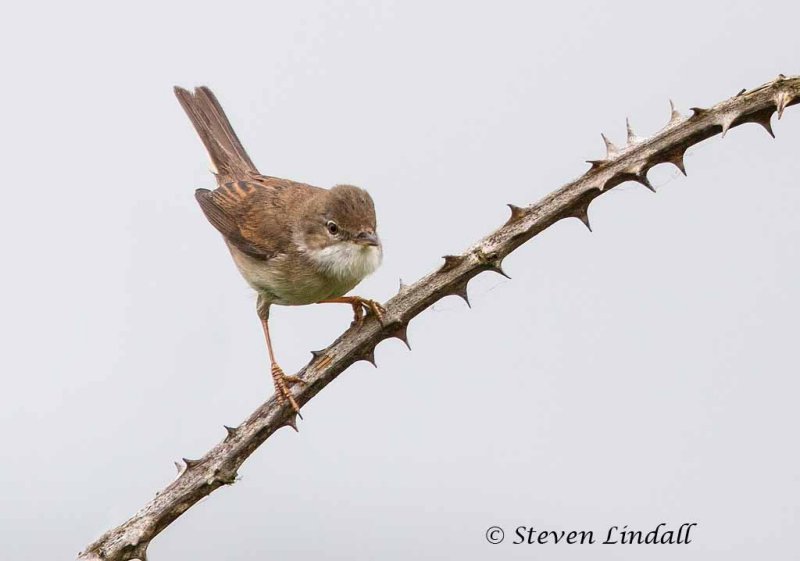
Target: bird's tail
(209,120)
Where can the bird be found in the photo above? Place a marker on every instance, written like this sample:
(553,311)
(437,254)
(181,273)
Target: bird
(294,244)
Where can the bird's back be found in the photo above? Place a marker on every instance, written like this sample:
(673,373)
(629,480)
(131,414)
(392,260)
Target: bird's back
(255,214)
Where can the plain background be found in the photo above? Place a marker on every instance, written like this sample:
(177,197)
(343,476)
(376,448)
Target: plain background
(640,374)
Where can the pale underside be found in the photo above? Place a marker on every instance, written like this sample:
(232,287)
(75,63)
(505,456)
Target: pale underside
(326,273)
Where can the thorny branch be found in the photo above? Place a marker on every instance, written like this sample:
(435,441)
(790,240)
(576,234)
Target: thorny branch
(198,478)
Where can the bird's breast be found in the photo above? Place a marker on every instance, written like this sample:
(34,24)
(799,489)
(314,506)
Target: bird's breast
(294,279)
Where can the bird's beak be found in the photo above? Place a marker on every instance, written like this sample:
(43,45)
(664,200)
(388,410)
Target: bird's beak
(368,239)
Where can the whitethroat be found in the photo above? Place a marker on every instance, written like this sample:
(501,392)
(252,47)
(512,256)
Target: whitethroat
(293,243)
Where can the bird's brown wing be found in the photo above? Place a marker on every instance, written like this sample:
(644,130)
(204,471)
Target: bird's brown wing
(254,216)
(252,211)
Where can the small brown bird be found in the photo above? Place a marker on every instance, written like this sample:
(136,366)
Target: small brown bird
(293,243)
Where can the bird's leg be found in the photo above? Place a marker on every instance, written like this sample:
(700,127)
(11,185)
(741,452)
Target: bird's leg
(360,305)
(282,381)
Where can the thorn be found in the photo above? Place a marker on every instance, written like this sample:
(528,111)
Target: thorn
(764,119)
(461,291)
(741,92)
(517,213)
(402,334)
(369,356)
(596,164)
(291,421)
(611,149)
(325,360)
(641,177)
(726,122)
(231,431)
(767,125)
(403,286)
(675,115)
(698,111)
(190,463)
(781,101)
(451,262)
(179,467)
(632,138)
(780,78)
(677,160)
(497,267)
(582,214)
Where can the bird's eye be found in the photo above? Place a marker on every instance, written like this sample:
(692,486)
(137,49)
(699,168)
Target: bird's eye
(333,228)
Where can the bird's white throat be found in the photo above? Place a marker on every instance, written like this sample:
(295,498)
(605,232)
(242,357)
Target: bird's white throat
(347,261)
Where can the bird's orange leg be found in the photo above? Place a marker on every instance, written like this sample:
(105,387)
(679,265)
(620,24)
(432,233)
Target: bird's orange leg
(282,381)
(360,306)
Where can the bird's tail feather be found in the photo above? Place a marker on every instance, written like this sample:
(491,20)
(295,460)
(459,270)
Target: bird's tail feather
(224,148)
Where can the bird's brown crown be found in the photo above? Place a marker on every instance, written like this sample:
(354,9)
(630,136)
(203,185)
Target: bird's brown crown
(344,213)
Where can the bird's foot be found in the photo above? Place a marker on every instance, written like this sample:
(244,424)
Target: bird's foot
(282,384)
(361,307)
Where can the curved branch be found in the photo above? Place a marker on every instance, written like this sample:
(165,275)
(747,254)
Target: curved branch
(198,478)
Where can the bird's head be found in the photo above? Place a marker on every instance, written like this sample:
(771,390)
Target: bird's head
(340,233)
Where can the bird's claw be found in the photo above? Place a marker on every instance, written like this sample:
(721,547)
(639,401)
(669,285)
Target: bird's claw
(282,384)
(363,305)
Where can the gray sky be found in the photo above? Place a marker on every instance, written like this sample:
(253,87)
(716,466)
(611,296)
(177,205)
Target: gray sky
(645,373)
